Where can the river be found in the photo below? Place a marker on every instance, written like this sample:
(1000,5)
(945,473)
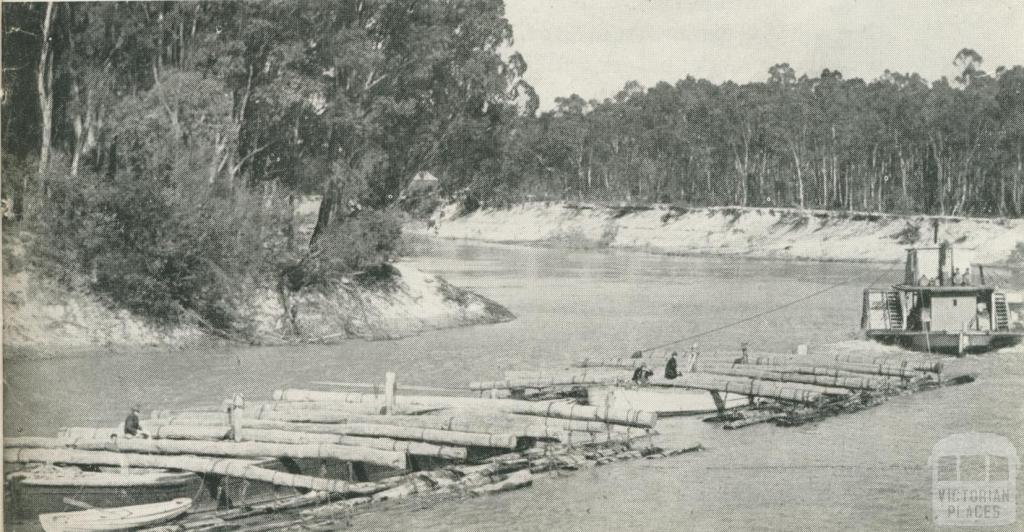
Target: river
(867,470)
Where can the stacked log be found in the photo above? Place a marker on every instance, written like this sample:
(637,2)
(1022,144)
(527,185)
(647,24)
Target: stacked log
(598,373)
(858,382)
(231,467)
(802,393)
(269,429)
(220,448)
(564,430)
(548,382)
(620,362)
(313,412)
(909,370)
(541,408)
(216,433)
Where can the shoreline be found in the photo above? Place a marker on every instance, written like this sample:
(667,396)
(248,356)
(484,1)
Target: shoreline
(747,232)
(44,320)
(420,233)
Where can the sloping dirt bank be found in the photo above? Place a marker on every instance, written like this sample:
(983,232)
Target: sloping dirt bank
(43,318)
(754,232)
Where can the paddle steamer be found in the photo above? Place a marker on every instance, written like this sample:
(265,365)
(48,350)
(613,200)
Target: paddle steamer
(943,305)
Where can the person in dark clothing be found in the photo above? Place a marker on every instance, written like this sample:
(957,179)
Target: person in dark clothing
(744,358)
(671,367)
(132,427)
(641,374)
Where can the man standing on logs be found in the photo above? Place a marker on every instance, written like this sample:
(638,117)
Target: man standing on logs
(671,368)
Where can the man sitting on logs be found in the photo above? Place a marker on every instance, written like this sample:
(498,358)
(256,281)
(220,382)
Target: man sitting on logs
(132,427)
(641,374)
(671,369)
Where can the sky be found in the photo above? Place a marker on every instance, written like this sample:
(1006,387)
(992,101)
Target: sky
(592,47)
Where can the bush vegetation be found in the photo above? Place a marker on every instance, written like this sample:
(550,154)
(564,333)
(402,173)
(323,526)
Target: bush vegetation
(161,147)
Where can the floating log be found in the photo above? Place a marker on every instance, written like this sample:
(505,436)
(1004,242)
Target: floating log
(599,372)
(901,360)
(620,416)
(517,480)
(891,370)
(740,370)
(489,423)
(512,424)
(308,415)
(244,469)
(216,433)
(450,437)
(434,482)
(548,382)
(802,393)
(465,439)
(288,410)
(220,448)
(621,362)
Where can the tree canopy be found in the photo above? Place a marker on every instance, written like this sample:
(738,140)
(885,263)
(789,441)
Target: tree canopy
(159,147)
(894,144)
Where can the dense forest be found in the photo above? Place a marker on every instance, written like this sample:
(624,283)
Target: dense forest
(154,152)
(895,144)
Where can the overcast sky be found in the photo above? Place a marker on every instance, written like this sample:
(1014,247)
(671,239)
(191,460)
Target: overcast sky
(592,47)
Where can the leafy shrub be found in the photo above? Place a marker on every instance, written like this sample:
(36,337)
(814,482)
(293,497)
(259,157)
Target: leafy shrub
(1017,256)
(910,234)
(169,249)
(353,245)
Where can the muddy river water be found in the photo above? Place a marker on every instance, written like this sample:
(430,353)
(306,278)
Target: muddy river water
(867,470)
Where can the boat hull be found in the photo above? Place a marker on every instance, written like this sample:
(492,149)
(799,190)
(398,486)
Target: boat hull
(947,342)
(34,494)
(121,518)
(666,402)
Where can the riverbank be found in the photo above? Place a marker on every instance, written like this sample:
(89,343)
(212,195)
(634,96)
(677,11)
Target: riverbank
(734,231)
(44,319)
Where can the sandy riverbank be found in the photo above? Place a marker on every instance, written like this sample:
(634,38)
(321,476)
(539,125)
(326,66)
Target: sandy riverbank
(753,232)
(44,319)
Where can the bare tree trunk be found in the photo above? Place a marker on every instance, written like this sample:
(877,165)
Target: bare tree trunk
(799,175)
(44,85)
(903,174)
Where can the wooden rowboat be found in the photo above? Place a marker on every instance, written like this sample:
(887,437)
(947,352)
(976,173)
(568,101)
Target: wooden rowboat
(123,518)
(664,401)
(48,489)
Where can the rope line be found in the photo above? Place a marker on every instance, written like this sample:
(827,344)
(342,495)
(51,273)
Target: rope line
(769,311)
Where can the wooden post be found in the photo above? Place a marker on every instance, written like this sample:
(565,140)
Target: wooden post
(719,402)
(390,382)
(235,414)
